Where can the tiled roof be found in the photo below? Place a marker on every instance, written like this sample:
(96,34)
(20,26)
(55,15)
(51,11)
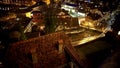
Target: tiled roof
(32,34)
(40,52)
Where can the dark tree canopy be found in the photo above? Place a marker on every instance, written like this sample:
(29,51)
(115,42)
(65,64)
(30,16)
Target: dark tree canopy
(116,25)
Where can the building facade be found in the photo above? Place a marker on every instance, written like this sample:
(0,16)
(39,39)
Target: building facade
(18,2)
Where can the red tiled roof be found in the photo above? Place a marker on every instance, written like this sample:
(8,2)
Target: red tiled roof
(40,52)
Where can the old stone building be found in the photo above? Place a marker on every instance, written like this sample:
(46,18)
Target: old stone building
(49,51)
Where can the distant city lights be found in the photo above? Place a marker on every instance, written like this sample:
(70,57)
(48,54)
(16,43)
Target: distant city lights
(72,11)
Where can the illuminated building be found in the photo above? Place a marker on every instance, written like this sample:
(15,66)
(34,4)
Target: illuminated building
(18,2)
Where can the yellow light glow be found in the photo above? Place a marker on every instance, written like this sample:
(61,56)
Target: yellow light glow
(47,1)
(88,39)
(33,2)
(81,20)
(86,23)
(85,40)
(28,14)
(91,24)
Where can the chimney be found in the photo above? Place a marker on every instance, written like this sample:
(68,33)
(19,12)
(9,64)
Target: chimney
(34,56)
(60,46)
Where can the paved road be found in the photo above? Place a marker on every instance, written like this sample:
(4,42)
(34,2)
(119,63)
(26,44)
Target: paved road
(83,35)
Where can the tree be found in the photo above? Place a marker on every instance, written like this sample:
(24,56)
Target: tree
(116,25)
(51,20)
